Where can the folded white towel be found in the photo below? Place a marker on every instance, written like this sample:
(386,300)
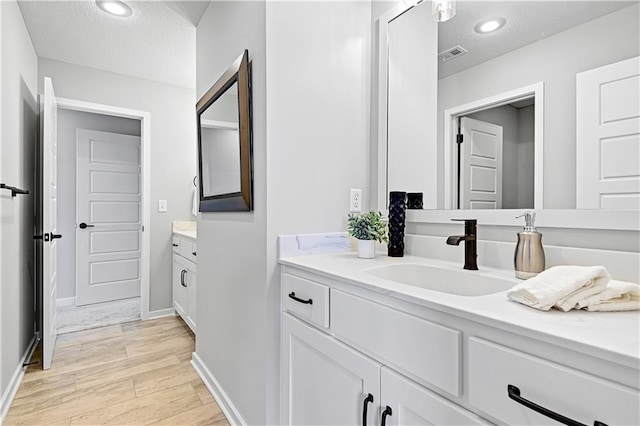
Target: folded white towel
(616,296)
(570,301)
(194,201)
(559,284)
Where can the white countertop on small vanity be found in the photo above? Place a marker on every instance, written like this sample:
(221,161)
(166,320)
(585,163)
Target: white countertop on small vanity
(610,335)
(186,229)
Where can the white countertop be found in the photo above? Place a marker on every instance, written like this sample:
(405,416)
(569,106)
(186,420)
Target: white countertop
(610,335)
(186,229)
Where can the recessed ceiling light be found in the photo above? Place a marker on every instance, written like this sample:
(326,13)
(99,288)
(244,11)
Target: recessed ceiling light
(490,25)
(115,7)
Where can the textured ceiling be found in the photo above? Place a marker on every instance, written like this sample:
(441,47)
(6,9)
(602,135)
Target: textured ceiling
(527,22)
(156,43)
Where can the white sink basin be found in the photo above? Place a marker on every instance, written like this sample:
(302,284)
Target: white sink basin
(460,282)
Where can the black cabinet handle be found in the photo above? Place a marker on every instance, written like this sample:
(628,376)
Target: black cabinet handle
(292,295)
(85,226)
(365,403)
(175,245)
(55,236)
(387,412)
(514,393)
(183,273)
(193,253)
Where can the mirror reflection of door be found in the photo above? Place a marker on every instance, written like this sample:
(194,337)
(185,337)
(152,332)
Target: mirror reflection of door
(496,169)
(221,145)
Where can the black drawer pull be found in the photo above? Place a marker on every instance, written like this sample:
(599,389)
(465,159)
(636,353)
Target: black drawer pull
(387,412)
(193,253)
(292,295)
(514,393)
(365,403)
(175,245)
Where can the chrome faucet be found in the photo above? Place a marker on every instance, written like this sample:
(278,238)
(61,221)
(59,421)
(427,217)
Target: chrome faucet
(469,238)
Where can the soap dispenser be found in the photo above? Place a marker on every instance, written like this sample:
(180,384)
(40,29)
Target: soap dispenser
(529,255)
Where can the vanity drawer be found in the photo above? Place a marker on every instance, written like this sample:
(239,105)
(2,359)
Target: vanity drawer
(306,299)
(570,393)
(418,348)
(186,249)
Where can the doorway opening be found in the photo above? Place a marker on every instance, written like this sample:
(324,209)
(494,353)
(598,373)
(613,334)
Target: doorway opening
(103,206)
(486,166)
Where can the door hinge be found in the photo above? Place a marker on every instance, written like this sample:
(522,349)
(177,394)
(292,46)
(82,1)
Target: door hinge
(459,138)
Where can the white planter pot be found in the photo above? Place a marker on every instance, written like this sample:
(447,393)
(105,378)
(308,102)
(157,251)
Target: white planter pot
(366,249)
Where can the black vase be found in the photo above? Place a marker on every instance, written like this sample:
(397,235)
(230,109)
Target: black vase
(414,200)
(397,207)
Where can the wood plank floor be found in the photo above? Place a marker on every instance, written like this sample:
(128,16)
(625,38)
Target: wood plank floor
(136,373)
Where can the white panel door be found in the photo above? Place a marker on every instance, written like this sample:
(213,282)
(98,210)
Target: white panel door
(108,217)
(49,119)
(608,137)
(480,165)
(323,381)
(407,403)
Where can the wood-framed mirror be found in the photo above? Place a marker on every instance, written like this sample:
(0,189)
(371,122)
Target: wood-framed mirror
(225,157)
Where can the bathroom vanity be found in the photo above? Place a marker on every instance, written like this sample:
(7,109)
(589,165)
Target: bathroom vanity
(184,244)
(419,341)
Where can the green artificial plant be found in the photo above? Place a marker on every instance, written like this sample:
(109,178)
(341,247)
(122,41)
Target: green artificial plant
(367,226)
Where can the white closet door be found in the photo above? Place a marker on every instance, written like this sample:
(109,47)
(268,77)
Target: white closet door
(608,137)
(108,215)
(480,165)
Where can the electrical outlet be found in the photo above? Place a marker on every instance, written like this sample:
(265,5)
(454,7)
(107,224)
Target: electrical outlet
(356,201)
(162,206)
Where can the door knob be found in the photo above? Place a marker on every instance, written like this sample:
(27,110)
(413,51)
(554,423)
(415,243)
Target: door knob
(85,226)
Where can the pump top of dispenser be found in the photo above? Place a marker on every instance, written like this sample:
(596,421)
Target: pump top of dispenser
(529,219)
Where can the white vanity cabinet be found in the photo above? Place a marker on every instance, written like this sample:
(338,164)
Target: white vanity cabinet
(342,342)
(328,381)
(184,279)
(331,378)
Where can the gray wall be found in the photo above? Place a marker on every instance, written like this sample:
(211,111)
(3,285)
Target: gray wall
(554,60)
(232,331)
(19,120)
(173,149)
(68,122)
(314,148)
(526,152)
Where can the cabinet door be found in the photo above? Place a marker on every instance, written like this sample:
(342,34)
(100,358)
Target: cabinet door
(179,285)
(412,404)
(191,297)
(323,381)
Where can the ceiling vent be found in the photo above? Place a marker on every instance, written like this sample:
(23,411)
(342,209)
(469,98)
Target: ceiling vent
(454,52)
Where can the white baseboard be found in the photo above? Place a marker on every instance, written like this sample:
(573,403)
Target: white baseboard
(225,404)
(161,313)
(67,301)
(14,384)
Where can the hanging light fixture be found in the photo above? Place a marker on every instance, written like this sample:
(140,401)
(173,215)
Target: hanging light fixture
(443,10)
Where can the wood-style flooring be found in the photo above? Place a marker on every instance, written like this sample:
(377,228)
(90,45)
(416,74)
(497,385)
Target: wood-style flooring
(136,373)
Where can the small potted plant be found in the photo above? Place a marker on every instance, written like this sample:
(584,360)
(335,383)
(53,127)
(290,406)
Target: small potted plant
(367,228)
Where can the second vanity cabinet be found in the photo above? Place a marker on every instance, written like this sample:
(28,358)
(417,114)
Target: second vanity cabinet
(184,279)
(354,356)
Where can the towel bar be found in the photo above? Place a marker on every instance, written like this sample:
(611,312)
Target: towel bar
(13,189)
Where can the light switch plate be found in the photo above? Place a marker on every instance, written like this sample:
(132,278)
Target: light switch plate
(162,206)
